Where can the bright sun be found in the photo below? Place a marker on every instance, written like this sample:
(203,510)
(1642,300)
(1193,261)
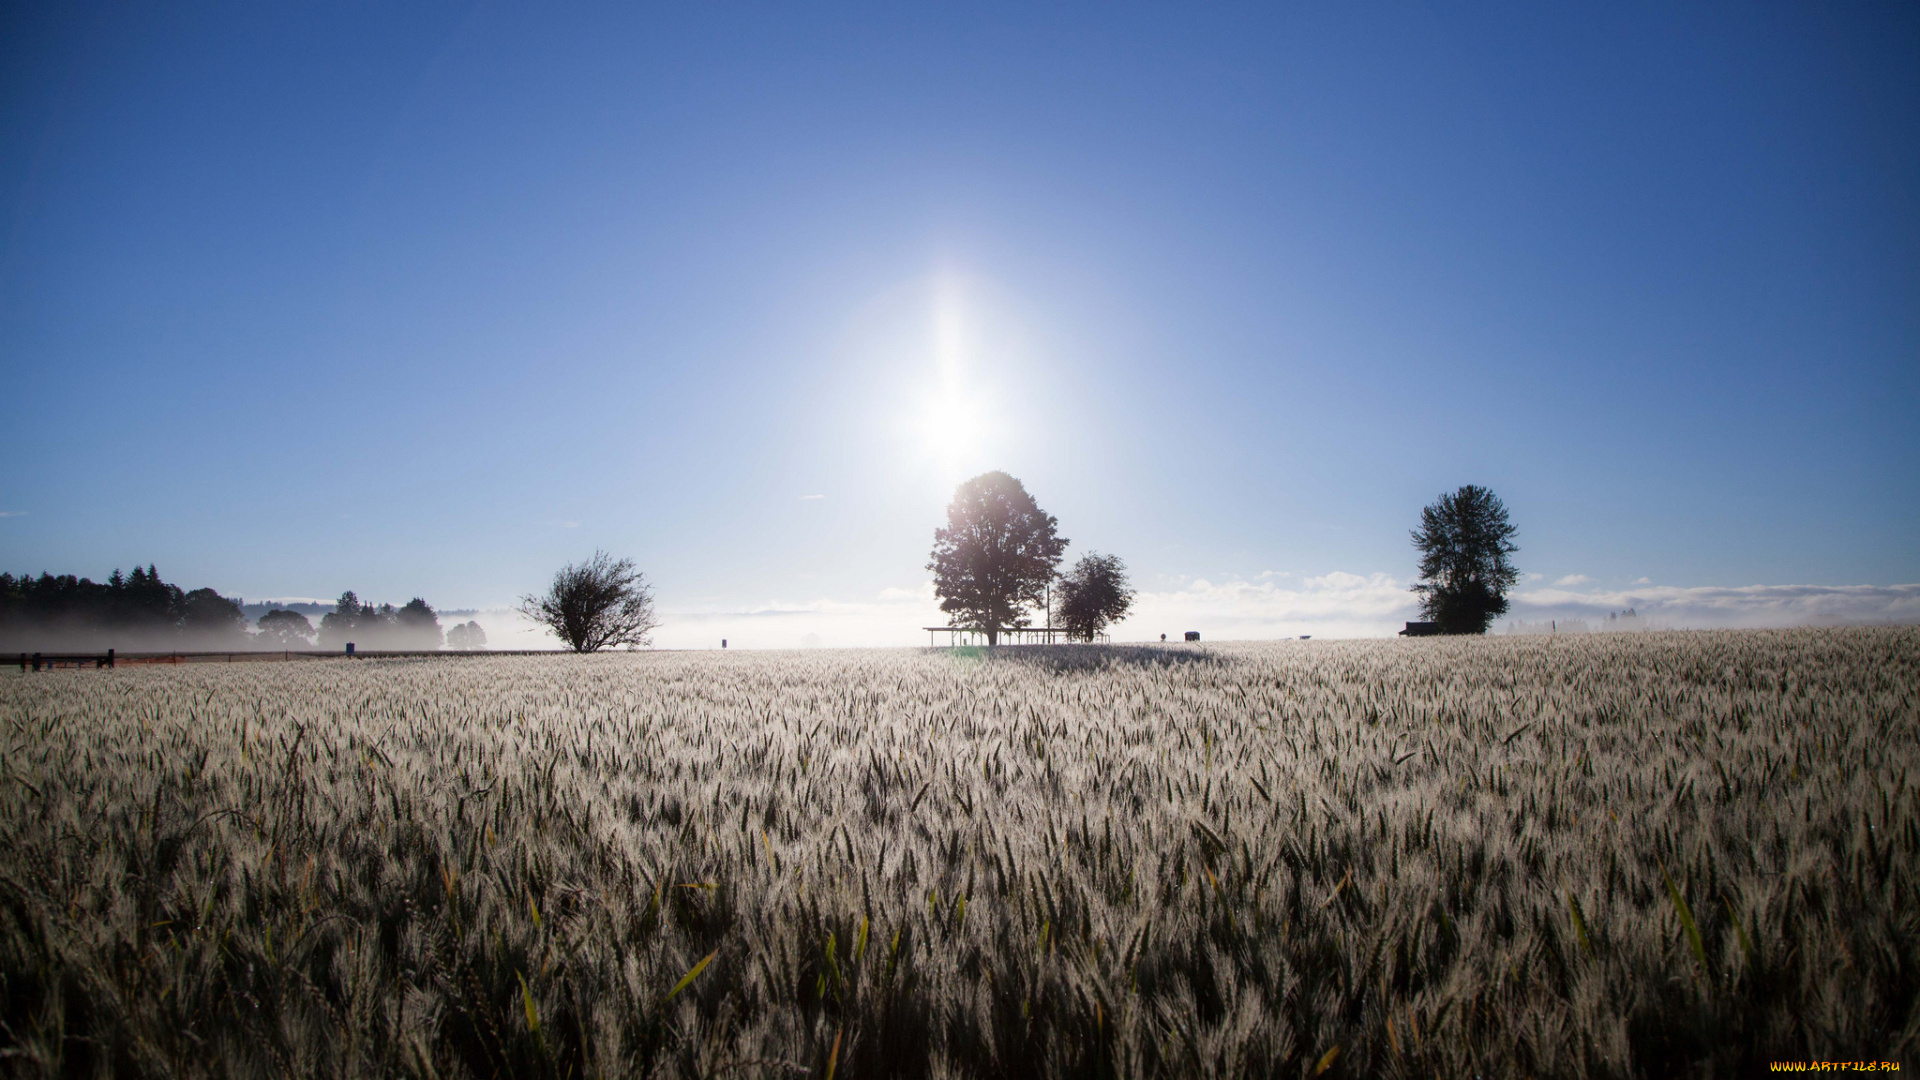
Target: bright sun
(951,421)
(951,427)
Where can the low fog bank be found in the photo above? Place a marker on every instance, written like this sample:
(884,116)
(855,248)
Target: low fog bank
(1750,607)
(1343,605)
(1273,607)
(60,637)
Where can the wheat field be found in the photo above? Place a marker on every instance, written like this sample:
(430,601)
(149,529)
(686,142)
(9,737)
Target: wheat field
(1608,855)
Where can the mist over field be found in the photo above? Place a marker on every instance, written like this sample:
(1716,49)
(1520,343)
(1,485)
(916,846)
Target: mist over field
(1266,607)
(1332,606)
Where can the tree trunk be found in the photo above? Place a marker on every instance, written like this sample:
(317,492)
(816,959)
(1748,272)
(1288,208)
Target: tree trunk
(993,636)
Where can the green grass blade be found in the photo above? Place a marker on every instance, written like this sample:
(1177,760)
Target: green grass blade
(533,1013)
(1686,920)
(1740,931)
(687,979)
(1579,923)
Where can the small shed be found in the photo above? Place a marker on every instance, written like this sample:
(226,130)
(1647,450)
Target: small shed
(1193,635)
(1421,629)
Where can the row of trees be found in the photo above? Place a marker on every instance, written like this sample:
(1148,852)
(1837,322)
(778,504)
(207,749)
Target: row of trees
(413,627)
(409,628)
(139,610)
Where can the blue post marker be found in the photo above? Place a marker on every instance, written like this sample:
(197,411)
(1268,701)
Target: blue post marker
(349,648)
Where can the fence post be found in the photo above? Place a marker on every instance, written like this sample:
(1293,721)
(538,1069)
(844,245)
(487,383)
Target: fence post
(36,661)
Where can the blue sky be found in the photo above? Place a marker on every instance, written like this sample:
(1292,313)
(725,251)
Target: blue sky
(429,299)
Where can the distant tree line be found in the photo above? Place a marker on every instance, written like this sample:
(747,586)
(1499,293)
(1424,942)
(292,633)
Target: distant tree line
(141,612)
(411,627)
(54,612)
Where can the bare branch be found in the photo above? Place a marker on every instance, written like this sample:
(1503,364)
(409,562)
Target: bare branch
(595,605)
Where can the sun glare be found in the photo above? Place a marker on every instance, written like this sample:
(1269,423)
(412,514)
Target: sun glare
(951,423)
(950,426)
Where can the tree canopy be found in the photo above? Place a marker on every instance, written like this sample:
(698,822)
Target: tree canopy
(415,625)
(1093,595)
(284,629)
(1464,541)
(996,555)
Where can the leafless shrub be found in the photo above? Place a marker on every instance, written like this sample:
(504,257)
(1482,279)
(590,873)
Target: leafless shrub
(595,605)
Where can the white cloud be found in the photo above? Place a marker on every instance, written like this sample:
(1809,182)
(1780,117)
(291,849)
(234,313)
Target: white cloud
(13,513)
(805,498)
(1573,579)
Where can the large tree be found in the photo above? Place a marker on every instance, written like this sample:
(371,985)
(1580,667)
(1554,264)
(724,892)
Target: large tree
(599,603)
(1464,540)
(996,555)
(1092,595)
